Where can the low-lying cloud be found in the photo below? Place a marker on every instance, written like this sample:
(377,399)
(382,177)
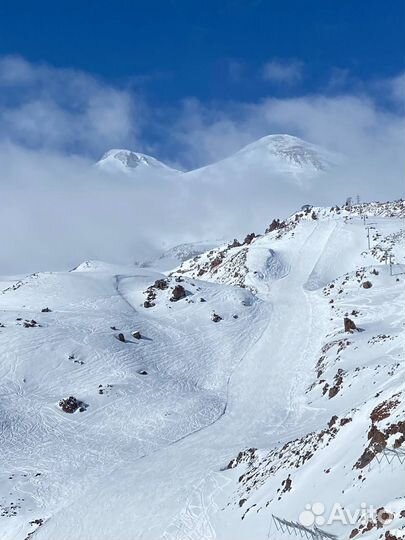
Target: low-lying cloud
(57,209)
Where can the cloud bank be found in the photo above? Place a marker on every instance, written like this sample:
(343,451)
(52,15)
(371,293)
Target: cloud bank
(57,209)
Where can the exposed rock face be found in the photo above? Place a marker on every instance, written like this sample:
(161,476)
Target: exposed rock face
(245,456)
(216,318)
(234,244)
(248,239)
(378,436)
(178,293)
(121,337)
(46,310)
(160,284)
(71,404)
(367,285)
(349,325)
(274,225)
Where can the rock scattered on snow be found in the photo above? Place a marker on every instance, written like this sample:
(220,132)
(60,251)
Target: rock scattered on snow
(349,325)
(71,405)
(178,293)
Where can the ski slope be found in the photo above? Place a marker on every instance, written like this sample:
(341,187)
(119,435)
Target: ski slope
(149,456)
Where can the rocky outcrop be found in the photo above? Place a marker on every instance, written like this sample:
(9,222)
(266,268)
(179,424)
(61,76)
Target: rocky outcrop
(275,225)
(349,325)
(249,238)
(71,404)
(178,293)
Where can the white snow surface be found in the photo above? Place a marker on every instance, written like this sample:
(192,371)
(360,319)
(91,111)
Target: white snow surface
(154,453)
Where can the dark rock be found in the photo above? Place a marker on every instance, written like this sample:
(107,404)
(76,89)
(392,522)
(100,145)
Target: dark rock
(161,284)
(216,262)
(367,285)
(248,239)
(30,324)
(203,300)
(275,225)
(136,334)
(349,325)
(216,318)
(121,337)
(178,293)
(332,421)
(148,304)
(142,372)
(71,405)
(234,244)
(46,310)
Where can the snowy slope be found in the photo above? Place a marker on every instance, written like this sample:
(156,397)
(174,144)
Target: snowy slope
(204,429)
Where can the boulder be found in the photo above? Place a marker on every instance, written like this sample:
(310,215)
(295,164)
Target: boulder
(366,284)
(234,244)
(161,284)
(71,405)
(136,334)
(349,325)
(121,337)
(216,318)
(45,310)
(178,293)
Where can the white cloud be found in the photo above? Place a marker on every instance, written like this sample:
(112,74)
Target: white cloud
(62,109)
(283,72)
(63,211)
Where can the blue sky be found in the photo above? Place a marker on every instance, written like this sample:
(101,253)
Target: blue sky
(191,82)
(211,50)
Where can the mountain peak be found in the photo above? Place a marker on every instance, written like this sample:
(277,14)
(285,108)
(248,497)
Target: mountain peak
(292,151)
(128,161)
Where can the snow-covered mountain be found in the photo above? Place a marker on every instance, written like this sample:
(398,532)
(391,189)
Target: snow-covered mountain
(282,162)
(283,155)
(128,162)
(170,258)
(260,383)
